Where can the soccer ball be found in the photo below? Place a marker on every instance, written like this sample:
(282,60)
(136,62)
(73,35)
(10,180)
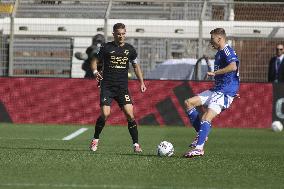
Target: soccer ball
(165,148)
(277,126)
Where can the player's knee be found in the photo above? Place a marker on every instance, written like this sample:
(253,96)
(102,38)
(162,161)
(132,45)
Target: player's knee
(189,104)
(129,116)
(208,119)
(130,119)
(105,115)
(209,115)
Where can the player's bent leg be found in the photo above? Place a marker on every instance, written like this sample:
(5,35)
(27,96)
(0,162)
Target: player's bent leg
(100,123)
(192,113)
(128,111)
(207,116)
(192,102)
(201,139)
(205,127)
(132,127)
(105,111)
(194,118)
(211,113)
(133,131)
(203,134)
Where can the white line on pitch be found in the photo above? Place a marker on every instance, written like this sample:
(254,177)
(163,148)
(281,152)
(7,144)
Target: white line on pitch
(76,133)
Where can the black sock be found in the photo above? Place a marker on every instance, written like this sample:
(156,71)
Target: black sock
(132,128)
(99,127)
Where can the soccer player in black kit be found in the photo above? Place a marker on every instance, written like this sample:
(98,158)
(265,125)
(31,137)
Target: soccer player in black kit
(115,58)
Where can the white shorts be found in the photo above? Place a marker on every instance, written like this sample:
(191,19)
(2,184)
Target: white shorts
(216,101)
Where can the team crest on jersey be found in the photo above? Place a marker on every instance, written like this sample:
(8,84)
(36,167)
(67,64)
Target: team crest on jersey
(126,52)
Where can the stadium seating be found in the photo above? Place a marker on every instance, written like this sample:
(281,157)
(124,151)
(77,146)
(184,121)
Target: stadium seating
(120,9)
(61,9)
(261,12)
(3,54)
(42,56)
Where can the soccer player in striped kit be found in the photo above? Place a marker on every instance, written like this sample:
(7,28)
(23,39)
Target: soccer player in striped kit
(218,98)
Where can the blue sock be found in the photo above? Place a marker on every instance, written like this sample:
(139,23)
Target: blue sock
(193,116)
(205,127)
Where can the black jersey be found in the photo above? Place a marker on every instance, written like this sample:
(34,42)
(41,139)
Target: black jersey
(115,60)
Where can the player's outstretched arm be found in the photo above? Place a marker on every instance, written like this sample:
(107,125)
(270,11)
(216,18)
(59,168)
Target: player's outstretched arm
(230,68)
(139,75)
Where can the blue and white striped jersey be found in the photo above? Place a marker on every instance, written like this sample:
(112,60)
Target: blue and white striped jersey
(227,83)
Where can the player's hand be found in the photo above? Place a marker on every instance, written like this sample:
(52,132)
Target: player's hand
(143,88)
(237,96)
(98,75)
(211,74)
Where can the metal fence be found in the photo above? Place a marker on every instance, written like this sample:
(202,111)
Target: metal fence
(42,56)
(3,55)
(38,38)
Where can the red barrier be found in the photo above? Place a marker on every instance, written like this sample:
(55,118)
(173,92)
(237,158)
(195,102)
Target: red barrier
(76,101)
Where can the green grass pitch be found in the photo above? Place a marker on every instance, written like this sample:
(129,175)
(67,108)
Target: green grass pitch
(35,156)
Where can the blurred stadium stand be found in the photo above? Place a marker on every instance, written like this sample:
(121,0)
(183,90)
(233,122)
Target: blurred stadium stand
(45,56)
(159,30)
(3,55)
(61,9)
(179,10)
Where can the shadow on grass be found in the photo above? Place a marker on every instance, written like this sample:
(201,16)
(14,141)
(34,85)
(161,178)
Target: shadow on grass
(176,156)
(41,148)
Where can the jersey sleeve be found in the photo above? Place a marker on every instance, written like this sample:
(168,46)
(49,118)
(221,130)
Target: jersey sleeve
(230,55)
(133,56)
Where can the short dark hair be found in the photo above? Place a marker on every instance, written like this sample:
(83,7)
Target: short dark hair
(218,31)
(118,26)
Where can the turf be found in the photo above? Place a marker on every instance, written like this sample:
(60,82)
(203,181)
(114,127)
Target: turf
(35,156)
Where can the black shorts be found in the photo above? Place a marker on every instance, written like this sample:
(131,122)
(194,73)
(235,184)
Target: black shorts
(120,95)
